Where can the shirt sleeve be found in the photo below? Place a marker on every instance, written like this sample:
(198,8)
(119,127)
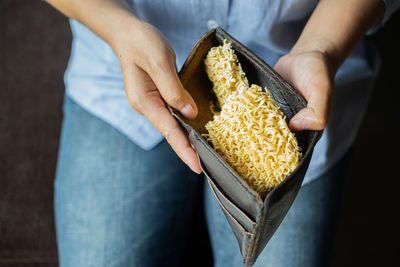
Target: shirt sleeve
(391,6)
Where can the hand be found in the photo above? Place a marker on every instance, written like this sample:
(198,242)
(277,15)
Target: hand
(312,74)
(148,67)
(331,33)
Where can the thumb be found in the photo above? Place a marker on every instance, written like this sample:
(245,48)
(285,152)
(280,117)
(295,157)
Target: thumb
(316,115)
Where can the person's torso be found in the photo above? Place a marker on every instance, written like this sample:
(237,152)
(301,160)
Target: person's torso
(267,27)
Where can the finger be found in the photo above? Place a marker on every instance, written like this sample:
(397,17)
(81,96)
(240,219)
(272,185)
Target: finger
(153,107)
(165,77)
(316,115)
(160,117)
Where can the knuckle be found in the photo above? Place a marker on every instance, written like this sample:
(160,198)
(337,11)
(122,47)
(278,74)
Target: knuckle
(321,122)
(171,54)
(159,61)
(174,98)
(170,132)
(135,104)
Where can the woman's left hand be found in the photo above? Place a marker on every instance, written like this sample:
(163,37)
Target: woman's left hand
(330,35)
(311,73)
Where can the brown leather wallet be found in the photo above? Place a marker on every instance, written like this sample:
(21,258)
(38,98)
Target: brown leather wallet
(253,219)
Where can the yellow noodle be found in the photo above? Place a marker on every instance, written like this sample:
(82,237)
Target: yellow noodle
(250,132)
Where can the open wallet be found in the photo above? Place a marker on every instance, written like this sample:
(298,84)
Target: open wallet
(253,219)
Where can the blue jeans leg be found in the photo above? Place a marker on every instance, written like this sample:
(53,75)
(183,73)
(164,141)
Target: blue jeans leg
(305,237)
(116,204)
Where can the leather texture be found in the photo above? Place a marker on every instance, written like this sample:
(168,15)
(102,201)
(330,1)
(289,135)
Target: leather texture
(252,219)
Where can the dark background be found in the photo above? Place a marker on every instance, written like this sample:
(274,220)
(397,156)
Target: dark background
(34,49)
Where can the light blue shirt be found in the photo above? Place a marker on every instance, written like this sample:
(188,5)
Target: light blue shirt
(267,27)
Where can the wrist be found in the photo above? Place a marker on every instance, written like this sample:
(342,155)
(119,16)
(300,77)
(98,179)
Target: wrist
(124,26)
(336,26)
(322,46)
(110,20)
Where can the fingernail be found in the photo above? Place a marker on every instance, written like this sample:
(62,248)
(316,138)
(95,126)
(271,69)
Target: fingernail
(191,161)
(303,124)
(300,123)
(194,170)
(188,111)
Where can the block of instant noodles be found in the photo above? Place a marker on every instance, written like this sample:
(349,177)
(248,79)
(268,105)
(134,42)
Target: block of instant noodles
(253,163)
(249,131)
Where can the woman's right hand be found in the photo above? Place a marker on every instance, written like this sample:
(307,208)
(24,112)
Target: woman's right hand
(148,67)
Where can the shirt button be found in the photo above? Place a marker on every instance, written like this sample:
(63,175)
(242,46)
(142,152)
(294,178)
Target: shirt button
(212,24)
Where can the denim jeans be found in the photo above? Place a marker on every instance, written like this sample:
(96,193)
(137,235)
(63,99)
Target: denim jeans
(118,205)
